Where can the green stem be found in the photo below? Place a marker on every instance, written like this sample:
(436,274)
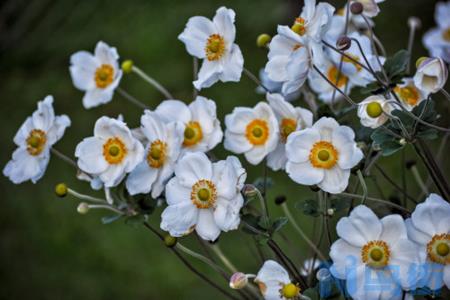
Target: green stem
(381,201)
(152,82)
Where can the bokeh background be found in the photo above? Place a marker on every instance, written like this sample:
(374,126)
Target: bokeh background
(48,250)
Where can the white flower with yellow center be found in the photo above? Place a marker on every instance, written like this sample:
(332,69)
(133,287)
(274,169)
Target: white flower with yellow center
(409,94)
(374,256)
(290,119)
(213,41)
(274,282)
(110,153)
(437,40)
(98,75)
(34,139)
(202,131)
(323,155)
(204,196)
(252,131)
(162,151)
(372,112)
(429,227)
(431,75)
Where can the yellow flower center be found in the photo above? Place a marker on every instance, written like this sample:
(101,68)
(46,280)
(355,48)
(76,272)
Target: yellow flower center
(157,154)
(257,132)
(299,26)
(323,155)
(352,61)
(203,194)
(114,150)
(374,109)
(446,34)
(36,142)
(408,94)
(287,127)
(290,291)
(376,254)
(336,77)
(215,47)
(438,249)
(104,76)
(192,134)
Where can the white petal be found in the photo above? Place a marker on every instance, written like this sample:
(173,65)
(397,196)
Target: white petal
(195,35)
(226,214)
(174,110)
(113,175)
(153,126)
(238,120)
(272,271)
(335,180)
(203,110)
(281,107)
(344,256)
(404,263)
(56,132)
(416,234)
(44,116)
(276,160)
(304,173)
(256,155)
(343,138)
(23,167)
(236,143)
(447,276)
(90,156)
(82,70)
(300,143)
(206,227)
(233,65)
(179,219)
(326,126)
(106,54)
(96,97)
(433,216)
(177,193)
(141,179)
(276,68)
(394,228)
(224,22)
(209,74)
(193,167)
(226,174)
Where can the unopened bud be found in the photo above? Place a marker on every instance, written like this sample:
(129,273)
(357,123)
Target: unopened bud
(402,141)
(83,208)
(127,66)
(343,43)
(410,163)
(238,281)
(420,61)
(263,39)
(280,199)
(61,190)
(356,8)
(414,22)
(330,212)
(170,241)
(249,190)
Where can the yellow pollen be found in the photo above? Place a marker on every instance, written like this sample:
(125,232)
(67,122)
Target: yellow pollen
(203,194)
(438,249)
(114,150)
(192,134)
(287,127)
(36,142)
(446,34)
(333,75)
(376,254)
(257,132)
(355,58)
(290,291)
(104,76)
(374,109)
(157,154)
(299,26)
(409,94)
(323,155)
(215,47)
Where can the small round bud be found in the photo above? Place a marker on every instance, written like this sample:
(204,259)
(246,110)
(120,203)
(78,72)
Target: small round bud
(61,190)
(83,208)
(249,190)
(420,61)
(374,109)
(127,66)
(356,8)
(410,163)
(402,141)
(414,22)
(280,199)
(330,212)
(263,39)
(343,43)
(238,281)
(170,241)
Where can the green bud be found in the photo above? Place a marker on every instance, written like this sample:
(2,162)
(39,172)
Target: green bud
(127,66)
(61,190)
(420,61)
(170,241)
(263,39)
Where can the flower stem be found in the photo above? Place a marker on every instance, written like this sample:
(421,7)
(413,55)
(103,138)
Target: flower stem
(375,200)
(106,206)
(216,249)
(419,180)
(64,157)
(131,99)
(255,79)
(199,257)
(363,185)
(334,86)
(152,82)
(85,197)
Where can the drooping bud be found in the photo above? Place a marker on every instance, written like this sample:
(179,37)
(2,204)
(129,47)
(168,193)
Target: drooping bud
(263,39)
(249,191)
(356,8)
(238,281)
(330,212)
(61,190)
(410,163)
(414,22)
(83,208)
(170,241)
(280,199)
(127,66)
(420,61)
(343,43)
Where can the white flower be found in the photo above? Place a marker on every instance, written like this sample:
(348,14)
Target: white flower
(163,147)
(437,40)
(431,75)
(98,75)
(374,256)
(252,131)
(289,119)
(274,282)
(273,87)
(309,266)
(213,41)
(110,153)
(34,139)
(409,94)
(372,111)
(202,130)
(204,196)
(323,154)
(429,227)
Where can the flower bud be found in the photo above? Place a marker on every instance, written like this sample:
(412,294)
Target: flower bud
(402,141)
(280,199)
(83,208)
(431,75)
(170,241)
(249,190)
(420,60)
(343,43)
(356,8)
(238,281)
(127,66)
(263,39)
(61,190)
(330,212)
(414,22)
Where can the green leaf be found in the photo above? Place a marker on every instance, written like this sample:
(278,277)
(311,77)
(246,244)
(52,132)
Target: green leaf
(259,183)
(396,64)
(339,204)
(309,207)
(250,224)
(381,135)
(389,148)
(312,293)
(264,223)
(279,223)
(428,134)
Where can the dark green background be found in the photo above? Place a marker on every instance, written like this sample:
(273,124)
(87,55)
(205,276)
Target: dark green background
(48,250)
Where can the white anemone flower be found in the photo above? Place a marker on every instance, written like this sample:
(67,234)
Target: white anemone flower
(162,151)
(375,256)
(202,131)
(323,154)
(204,196)
(252,131)
(213,41)
(373,111)
(98,75)
(274,282)
(437,40)
(431,75)
(290,119)
(34,139)
(110,153)
(429,227)
(409,94)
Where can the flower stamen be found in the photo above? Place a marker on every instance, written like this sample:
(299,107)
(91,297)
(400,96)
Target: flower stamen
(299,26)
(408,94)
(192,134)
(376,254)
(215,47)
(257,132)
(290,291)
(204,194)
(438,249)
(104,76)
(323,155)
(287,126)
(114,150)
(36,142)
(157,154)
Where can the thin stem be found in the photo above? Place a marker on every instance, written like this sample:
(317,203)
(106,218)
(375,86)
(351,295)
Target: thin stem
(131,99)
(152,82)
(85,197)
(363,185)
(419,180)
(412,31)
(216,249)
(323,202)
(255,79)
(347,56)
(106,206)
(200,257)
(334,86)
(446,94)
(392,182)
(371,70)
(64,157)
(375,200)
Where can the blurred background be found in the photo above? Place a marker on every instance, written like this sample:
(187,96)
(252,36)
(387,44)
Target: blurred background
(48,250)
